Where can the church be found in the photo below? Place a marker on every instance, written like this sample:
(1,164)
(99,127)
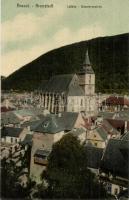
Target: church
(70,92)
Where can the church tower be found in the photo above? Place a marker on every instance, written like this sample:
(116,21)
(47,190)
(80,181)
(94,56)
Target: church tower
(86,77)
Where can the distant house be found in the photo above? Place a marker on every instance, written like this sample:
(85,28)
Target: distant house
(117,120)
(115,162)
(112,132)
(12,135)
(10,119)
(7,104)
(6,109)
(115,103)
(49,130)
(97,137)
(17,117)
(111,164)
(24,114)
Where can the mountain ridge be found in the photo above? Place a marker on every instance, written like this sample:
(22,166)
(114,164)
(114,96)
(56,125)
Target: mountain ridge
(109,56)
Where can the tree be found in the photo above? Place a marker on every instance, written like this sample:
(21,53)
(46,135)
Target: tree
(67,175)
(10,184)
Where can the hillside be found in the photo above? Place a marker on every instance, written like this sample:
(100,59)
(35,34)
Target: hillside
(109,57)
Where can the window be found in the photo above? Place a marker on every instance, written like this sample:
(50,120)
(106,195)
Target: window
(116,191)
(11,140)
(95,144)
(45,125)
(40,159)
(81,102)
(89,79)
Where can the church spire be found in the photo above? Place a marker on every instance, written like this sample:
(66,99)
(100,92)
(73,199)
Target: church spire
(87,60)
(86,67)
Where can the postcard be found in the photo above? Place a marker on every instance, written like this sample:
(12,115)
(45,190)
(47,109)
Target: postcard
(64,99)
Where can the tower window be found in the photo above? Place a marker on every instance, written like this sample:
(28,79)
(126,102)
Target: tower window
(90,79)
(81,102)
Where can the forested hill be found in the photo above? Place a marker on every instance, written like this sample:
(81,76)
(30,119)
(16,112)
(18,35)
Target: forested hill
(109,57)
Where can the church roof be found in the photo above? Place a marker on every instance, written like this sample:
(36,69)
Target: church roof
(75,90)
(87,60)
(58,83)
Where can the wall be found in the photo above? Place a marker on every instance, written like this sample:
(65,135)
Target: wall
(41,141)
(74,103)
(79,122)
(95,139)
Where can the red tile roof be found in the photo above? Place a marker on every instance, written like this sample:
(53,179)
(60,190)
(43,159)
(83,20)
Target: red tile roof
(5,109)
(113,100)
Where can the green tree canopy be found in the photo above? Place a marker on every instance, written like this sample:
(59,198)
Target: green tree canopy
(67,174)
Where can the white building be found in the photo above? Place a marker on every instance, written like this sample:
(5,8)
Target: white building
(70,92)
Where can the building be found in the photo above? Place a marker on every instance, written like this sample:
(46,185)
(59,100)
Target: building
(115,164)
(87,82)
(115,103)
(62,93)
(97,137)
(70,92)
(12,135)
(46,132)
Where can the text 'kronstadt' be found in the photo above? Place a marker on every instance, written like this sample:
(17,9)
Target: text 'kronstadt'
(19,5)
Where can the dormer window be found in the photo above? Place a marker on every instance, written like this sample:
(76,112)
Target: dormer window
(45,125)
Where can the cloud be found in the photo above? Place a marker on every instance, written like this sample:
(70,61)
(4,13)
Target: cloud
(66,36)
(13,60)
(22,27)
(26,26)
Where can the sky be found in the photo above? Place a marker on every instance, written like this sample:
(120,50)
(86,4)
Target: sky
(30,32)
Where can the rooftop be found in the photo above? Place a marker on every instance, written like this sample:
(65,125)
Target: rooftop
(11,132)
(55,123)
(115,160)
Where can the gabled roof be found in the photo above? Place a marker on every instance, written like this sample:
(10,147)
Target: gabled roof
(93,156)
(115,160)
(49,124)
(23,112)
(58,83)
(11,132)
(103,134)
(75,90)
(122,115)
(109,128)
(9,118)
(114,100)
(125,136)
(30,124)
(106,115)
(55,123)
